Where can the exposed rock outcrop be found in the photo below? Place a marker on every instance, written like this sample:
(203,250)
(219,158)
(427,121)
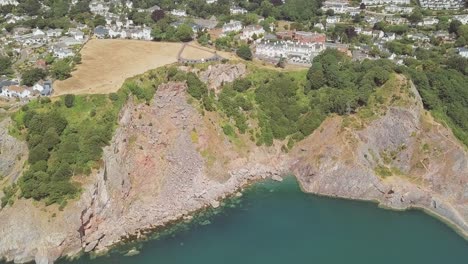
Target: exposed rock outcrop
(216,75)
(402,160)
(13,153)
(164,162)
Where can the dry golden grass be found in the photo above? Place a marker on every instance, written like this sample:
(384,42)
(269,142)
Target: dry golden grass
(107,63)
(195,53)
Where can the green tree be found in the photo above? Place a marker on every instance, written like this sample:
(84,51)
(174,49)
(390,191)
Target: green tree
(5,65)
(38,153)
(454,26)
(416,16)
(184,33)
(460,42)
(244,52)
(32,76)
(99,21)
(61,69)
(69,100)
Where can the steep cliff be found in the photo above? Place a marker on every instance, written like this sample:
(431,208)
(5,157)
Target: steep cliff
(168,159)
(402,159)
(165,161)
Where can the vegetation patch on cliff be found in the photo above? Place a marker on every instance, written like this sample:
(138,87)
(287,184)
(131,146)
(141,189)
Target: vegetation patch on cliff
(443,90)
(271,105)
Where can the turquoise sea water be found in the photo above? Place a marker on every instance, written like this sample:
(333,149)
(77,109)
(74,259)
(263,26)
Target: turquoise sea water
(275,223)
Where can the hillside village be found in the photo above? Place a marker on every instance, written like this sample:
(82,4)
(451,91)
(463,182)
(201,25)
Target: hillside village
(39,45)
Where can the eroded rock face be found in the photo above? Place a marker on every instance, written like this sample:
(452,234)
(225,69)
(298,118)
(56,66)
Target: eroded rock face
(402,160)
(154,172)
(167,160)
(216,75)
(13,153)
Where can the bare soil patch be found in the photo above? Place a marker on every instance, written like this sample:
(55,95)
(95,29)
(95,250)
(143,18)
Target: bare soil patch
(106,63)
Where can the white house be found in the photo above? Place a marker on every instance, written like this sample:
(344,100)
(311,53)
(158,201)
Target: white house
(463,52)
(333,19)
(232,26)
(389,36)
(8,2)
(399,9)
(179,13)
(16,91)
(235,10)
(53,33)
(38,33)
(76,34)
(385,2)
(62,53)
(250,31)
(462,18)
(98,7)
(338,7)
(429,21)
(441,4)
(43,87)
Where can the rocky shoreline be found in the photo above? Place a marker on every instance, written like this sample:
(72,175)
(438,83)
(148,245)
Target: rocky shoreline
(166,161)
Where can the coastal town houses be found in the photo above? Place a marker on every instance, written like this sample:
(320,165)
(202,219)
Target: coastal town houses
(62,52)
(17,91)
(8,2)
(99,7)
(398,9)
(235,10)
(442,4)
(252,32)
(428,21)
(462,18)
(385,2)
(136,32)
(76,34)
(232,26)
(338,7)
(54,33)
(293,51)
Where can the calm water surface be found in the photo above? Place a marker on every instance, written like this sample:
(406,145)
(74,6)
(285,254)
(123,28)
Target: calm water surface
(275,223)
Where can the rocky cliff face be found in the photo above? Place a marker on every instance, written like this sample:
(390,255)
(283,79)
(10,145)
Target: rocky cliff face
(167,160)
(216,75)
(402,160)
(13,153)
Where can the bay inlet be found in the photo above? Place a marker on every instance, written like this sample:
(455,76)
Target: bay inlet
(277,223)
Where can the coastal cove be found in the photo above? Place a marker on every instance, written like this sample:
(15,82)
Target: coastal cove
(278,223)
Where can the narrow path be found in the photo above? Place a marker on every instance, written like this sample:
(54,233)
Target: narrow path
(179,55)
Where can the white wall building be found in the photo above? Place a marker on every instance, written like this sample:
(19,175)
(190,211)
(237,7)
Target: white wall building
(235,10)
(16,91)
(384,2)
(232,26)
(442,4)
(179,13)
(250,31)
(8,2)
(463,52)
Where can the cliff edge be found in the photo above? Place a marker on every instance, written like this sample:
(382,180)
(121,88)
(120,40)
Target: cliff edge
(167,159)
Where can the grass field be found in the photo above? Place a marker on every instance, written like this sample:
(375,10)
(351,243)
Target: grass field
(106,63)
(195,53)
